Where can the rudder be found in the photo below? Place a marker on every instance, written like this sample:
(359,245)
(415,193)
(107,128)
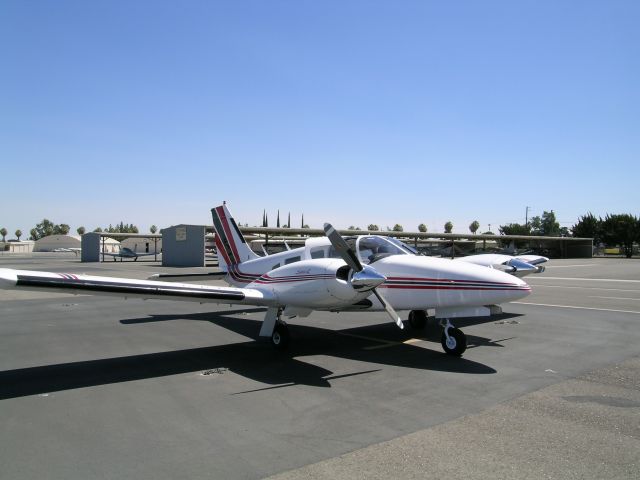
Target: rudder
(232,247)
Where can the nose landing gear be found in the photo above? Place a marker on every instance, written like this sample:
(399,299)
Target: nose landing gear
(454,341)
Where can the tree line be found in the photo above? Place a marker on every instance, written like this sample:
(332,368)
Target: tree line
(46,228)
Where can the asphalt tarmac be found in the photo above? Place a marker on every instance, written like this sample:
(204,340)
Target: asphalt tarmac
(100,387)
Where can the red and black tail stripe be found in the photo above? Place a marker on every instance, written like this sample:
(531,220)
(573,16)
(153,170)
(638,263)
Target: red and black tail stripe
(224,239)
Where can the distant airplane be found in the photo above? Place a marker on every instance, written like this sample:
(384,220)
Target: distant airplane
(127,253)
(72,249)
(518,265)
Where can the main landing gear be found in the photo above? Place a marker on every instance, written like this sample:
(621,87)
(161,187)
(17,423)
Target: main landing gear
(276,329)
(280,335)
(453,340)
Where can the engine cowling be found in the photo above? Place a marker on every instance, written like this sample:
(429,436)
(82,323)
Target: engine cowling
(315,284)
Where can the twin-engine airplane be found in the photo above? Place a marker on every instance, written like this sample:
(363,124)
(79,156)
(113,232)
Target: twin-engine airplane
(365,273)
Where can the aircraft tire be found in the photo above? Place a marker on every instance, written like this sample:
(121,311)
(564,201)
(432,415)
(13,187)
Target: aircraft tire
(457,342)
(418,319)
(280,336)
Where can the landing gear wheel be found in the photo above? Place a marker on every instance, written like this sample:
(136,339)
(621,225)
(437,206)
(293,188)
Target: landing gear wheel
(418,319)
(456,343)
(280,336)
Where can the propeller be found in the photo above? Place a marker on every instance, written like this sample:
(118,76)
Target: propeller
(364,277)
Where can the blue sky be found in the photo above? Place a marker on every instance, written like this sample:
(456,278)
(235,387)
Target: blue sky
(352,112)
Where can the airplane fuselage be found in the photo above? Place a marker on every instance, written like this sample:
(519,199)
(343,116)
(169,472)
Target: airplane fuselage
(412,282)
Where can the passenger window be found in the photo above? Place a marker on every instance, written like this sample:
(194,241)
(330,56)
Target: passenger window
(277,265)
(317,253)
(291,260)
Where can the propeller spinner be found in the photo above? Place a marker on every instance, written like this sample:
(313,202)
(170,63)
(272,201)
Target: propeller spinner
(364,277)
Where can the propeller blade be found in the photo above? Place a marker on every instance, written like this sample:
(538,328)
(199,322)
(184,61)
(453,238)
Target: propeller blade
(392,313)
(342,248)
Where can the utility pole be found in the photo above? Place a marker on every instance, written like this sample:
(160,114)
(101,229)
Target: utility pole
(526,216)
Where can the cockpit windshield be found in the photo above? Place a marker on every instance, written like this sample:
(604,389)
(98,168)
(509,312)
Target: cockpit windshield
(373,248)
(404,246)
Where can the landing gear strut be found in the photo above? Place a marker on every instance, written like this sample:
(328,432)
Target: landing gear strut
(453,341)
(274,328)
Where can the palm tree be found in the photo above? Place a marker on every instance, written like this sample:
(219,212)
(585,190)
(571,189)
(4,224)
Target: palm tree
(422,228)
(18,234)
(448,227)
(81,230)
(3,232)
(475,225)
(153,229)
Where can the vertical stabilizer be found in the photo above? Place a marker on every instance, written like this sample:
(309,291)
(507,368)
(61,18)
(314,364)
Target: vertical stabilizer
(232,248)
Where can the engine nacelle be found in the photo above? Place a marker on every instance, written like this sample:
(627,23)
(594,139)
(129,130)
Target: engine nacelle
(318,284)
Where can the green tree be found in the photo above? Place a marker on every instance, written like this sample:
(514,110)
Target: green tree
(98,230)
(422,228)
(18,234)
(3,232)
(448,227)
(546,225)
(514,229)
(474,226)
(622,230)
(550,226)
(588,226)
(373,227)
(62,229)
(81,231)
(153,229)
(398,228)
(122,228)
(43,229)
(351,227)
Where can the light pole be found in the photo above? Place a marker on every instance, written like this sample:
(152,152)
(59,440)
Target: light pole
(526,216)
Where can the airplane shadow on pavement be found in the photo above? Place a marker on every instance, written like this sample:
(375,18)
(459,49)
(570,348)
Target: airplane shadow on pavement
(255,359)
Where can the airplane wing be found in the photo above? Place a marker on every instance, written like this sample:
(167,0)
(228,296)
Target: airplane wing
(131,288)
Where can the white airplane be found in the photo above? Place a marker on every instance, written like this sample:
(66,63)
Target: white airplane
(518,265)
(327,274)
(127,253)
